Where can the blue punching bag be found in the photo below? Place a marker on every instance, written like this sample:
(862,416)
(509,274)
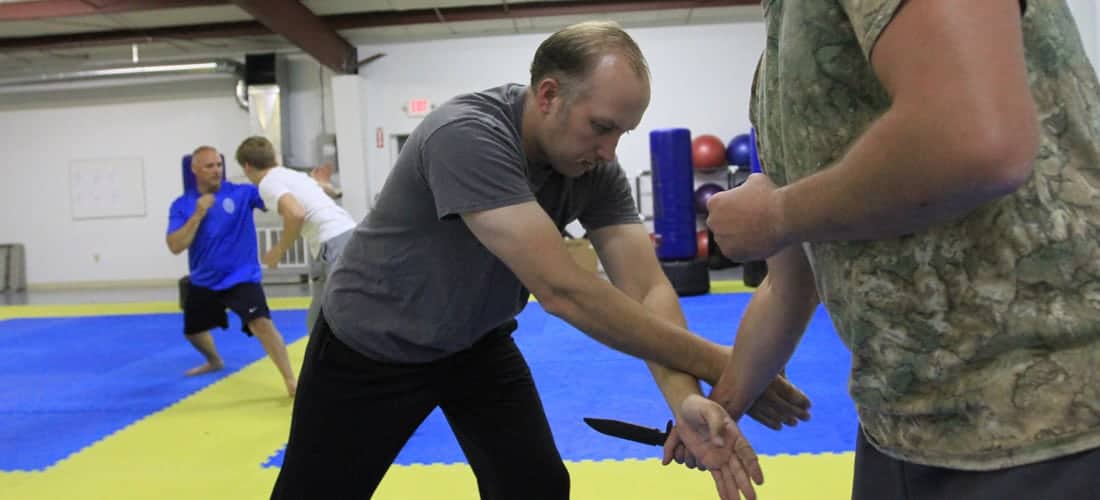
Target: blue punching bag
(673,195)
(753,272)
(754,156)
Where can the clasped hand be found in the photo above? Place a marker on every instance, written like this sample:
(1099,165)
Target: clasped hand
(747,221)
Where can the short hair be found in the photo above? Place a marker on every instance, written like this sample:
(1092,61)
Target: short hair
(256,151)
(570,54)
(201,149)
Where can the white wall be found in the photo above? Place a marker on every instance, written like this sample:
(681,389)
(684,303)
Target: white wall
(43,132)
(701,76)
(701,79)
(351,143)
(1087,16)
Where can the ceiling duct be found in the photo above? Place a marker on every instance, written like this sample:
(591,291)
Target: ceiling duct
(266,77)
(213,67)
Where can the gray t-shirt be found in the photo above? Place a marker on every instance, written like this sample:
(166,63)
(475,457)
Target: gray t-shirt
(414,283)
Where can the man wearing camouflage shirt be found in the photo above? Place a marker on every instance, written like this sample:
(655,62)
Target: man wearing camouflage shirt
(932,175)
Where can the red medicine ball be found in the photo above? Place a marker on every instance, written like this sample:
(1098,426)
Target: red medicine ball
(708,152)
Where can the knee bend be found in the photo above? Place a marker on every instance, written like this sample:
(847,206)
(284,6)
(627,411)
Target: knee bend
(262,326)
(549,481)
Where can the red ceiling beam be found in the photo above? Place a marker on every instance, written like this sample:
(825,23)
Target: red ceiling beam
(303,28)
(49,9)
(358,20)
(515,11)
(126,37)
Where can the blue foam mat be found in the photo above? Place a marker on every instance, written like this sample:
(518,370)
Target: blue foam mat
(66,383)
(577,377)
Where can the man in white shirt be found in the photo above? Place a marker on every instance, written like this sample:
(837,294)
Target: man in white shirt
(305,208)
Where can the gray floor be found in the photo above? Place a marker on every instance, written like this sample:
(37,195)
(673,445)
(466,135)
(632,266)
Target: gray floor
(146,294)
(727,274)
(131,294)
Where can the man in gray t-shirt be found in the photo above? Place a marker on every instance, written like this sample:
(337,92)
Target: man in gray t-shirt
(419,310)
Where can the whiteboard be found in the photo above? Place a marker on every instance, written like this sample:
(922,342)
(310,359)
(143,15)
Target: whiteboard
(113,187)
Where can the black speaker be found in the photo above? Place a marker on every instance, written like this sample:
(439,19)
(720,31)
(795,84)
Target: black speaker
(688,277)
(259,69)
(754,272)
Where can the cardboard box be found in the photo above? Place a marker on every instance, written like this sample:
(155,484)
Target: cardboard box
(582,252)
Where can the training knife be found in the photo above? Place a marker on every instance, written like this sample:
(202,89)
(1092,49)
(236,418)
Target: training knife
(629,431)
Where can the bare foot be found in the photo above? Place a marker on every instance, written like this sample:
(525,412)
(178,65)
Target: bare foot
(291,387)
(206,368)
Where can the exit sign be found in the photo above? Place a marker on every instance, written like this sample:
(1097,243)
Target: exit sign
(418,107)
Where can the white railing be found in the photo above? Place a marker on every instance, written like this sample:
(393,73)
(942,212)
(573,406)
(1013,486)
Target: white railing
(295,262)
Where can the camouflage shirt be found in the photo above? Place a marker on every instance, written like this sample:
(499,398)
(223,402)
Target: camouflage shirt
(975,344)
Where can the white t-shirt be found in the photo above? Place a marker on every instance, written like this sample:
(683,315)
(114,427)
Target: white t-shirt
(324,218)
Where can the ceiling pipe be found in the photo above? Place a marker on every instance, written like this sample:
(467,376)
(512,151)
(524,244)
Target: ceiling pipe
(241,93)
(52,9)
(217,66)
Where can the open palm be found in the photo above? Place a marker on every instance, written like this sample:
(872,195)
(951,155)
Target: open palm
(715,443)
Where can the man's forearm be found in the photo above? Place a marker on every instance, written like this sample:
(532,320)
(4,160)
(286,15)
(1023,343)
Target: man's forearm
(182,238)
(901,176)
(623,324)
(292,229)
(675,385)
(770,329)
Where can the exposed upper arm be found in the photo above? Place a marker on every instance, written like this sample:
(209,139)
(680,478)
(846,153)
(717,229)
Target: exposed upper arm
(290,207)
(526,240)
(628,258)
(960,67)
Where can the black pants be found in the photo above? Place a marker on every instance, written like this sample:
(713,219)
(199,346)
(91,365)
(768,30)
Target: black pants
(352,416)
(879,476)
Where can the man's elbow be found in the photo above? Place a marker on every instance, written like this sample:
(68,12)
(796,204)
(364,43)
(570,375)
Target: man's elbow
(555,303)
(1005,155)
(990,146)
(555,297)
(1004,142)
(296,218)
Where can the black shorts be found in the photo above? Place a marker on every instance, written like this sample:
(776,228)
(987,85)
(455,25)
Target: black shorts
(204,308)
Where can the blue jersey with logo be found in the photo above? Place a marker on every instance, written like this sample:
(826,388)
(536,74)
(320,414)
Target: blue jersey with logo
(223,253)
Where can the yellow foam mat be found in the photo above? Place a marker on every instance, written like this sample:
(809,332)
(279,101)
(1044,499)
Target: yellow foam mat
(787,477)
(211,445)
(110,309)
(730,286)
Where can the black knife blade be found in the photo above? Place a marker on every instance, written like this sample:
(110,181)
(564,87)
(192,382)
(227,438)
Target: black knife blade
(627,430)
